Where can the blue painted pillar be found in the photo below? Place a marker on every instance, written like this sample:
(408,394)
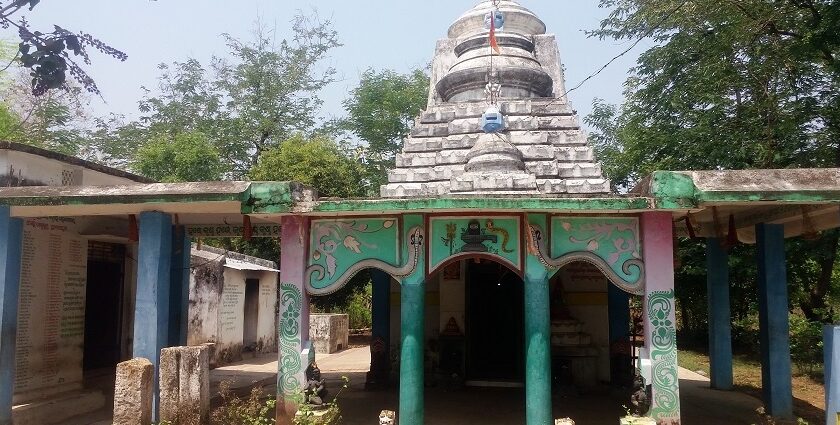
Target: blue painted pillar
(11,235)
(619,320)
(619,314)
(179,290)
(412,322)
(773,320)
(537,337)
(151,312)
(381,305)
(381,332)
(831,348)
(720,320)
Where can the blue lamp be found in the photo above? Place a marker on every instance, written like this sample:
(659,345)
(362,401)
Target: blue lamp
(498,19)
(492,121)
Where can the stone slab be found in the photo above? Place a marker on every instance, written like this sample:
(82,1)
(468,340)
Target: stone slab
(329,332)
(133,393)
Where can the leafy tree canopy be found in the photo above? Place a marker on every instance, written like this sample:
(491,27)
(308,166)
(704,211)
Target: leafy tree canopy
(381,111)
(244,105)
(317,162)
(188,157)
(729,85)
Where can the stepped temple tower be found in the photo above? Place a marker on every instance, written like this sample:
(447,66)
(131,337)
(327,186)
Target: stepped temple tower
(542,152)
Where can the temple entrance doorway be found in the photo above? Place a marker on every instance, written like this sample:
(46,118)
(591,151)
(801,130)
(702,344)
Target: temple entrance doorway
(103,306)
(252,313)
(589,328)
(495,325)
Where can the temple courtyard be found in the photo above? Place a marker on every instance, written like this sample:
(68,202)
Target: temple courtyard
(446,406)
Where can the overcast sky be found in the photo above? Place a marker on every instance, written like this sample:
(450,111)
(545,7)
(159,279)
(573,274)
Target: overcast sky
(380,34)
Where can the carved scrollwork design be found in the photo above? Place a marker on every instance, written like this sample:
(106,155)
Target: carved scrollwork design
(538,248)
(415,241)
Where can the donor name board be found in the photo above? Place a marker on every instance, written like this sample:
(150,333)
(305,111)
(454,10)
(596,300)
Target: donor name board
(229,231)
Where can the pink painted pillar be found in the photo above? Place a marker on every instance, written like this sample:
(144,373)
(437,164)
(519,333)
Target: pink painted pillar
(660,318)
(294,349)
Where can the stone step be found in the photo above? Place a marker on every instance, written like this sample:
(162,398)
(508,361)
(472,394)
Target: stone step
(514,123)
(568,138)
(445,113)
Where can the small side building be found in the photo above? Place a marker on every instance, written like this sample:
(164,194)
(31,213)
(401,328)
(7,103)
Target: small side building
(233,301)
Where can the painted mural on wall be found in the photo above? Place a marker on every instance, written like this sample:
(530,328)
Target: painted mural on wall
(610,244)
(454,237)
(338,249)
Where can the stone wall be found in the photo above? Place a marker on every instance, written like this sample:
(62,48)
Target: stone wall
(206,282)
(329,332)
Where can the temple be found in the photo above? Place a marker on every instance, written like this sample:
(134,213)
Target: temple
(499,253)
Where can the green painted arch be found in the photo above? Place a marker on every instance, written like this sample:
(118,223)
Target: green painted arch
(340,249)
(612,245)
(493,237)
(483,257)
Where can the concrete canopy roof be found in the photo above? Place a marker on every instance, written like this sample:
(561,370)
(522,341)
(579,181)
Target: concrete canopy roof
(805,200)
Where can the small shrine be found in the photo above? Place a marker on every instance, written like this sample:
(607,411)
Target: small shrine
(475,245)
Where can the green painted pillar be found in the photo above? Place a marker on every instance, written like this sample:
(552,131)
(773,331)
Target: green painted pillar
(537,338)
(537,351)
(413,302)
(412,319)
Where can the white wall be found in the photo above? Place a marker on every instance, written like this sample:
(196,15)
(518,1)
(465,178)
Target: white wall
(231,318)
(49,172)
(51,315)
(267,322)
(586,290)
(453,299)
(206,282)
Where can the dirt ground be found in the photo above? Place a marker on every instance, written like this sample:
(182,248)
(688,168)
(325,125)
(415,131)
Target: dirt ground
(808,394)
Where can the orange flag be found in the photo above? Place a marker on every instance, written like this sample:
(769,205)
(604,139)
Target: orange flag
(494,44)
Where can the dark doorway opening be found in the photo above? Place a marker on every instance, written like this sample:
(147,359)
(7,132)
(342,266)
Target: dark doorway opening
(495,323)
(252,313)
(104,305)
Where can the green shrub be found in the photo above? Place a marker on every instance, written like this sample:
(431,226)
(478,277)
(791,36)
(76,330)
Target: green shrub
(257,409)
(806,343)
(359,308)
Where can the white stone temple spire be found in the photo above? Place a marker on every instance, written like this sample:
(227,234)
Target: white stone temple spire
(541,152)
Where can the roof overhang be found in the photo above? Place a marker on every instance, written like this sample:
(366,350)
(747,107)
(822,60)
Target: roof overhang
(806,201)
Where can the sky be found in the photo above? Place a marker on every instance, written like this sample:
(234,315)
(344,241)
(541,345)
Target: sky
(378,34)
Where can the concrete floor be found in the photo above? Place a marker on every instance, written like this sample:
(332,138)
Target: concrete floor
(487,406)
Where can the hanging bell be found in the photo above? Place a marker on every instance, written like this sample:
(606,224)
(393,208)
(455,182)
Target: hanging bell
(492,121)
(498,20)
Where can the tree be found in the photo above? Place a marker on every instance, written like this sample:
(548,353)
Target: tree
(244,105)
(381,112)
(50,56)
(318,162)
(188,157)
(56,120)
(272,90)
(10,125)
(730,85)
